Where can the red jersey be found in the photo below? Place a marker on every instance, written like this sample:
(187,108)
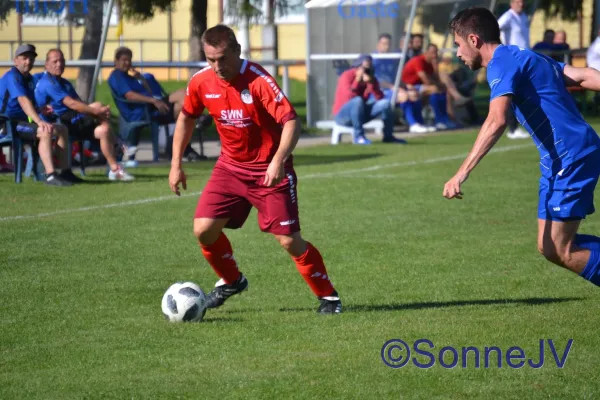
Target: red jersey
(348,88)
(249,113)
(415,65)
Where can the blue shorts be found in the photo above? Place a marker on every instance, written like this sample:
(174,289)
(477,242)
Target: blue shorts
(570,194)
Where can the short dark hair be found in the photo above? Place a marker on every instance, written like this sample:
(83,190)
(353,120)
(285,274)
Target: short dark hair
(56,50)
(385,35)
(477,21)
(123,51)
(416,35)
(219,35)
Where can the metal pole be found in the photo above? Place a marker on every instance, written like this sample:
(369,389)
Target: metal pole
(492,5)
(411,19)
(286,80)
(309,103)
(142,54)
(111,3)
(452,15)
(179,59)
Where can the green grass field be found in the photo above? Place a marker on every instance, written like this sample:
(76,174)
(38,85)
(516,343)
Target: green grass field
(81,289)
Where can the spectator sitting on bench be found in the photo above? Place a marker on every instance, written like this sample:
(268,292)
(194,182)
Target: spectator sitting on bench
(83,121)
(351,106)
(385,72)
(129,84)
(421,74)
(547,44)
(17,91)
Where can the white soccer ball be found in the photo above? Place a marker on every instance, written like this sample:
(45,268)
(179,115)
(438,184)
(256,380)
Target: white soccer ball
(184,302)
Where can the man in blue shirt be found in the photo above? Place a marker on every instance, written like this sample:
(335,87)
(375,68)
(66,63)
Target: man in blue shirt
(17,101)
(83,121)
(129,84)
(534,86)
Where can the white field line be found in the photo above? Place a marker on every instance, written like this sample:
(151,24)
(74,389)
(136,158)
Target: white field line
(317,175)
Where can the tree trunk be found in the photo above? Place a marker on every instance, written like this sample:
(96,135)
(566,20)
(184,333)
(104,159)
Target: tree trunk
(90,46)
(198,26)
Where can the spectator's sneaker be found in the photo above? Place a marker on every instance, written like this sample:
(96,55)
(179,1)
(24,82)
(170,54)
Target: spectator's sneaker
(54,180)
(394,140)
(129,151)
(441,126)
(192,156)
(418,128)
(223,291)
(330,304)
(518,134)
(69,176)
(362,140)
(120,175)
(130,163)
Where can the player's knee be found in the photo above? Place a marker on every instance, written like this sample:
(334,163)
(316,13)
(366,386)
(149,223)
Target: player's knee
(43,136)
(205,235)
(293,244)
(554,255)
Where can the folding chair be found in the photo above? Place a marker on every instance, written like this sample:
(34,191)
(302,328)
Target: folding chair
(128,128)
(9,138)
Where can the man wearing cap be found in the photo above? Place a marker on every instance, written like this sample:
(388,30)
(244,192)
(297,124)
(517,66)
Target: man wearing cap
(83,121)
(17,101)
(351,106)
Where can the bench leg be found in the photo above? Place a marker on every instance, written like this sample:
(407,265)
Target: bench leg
(335,136)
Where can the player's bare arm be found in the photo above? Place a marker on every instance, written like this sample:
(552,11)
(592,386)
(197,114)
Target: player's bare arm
(289,138)
(490,132)
(587,78)
(181,137)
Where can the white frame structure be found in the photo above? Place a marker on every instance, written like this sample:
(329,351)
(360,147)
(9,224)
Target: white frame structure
(334,3)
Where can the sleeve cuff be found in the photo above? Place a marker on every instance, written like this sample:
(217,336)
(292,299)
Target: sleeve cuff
(189,114)
(501,94)
(288,117)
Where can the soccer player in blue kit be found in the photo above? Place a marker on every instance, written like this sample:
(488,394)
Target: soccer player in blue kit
(535,87)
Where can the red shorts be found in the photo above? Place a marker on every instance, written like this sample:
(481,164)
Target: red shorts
(232,192)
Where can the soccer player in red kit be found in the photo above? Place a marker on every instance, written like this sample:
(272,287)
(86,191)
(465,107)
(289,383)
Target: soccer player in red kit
(259,129)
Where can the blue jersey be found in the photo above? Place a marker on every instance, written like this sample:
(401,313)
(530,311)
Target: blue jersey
(52,90)
(385,69)
(12,86)
(120,83)
(542,105)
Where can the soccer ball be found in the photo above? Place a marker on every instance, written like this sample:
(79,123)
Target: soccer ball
(184,302)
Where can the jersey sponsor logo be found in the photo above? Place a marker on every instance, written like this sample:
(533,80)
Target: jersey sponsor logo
(232,114)
(235,118)
(212,96)
(246,96)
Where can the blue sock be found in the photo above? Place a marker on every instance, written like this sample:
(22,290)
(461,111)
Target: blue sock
(592,269)
(438,103)
(409,114)
(588,242)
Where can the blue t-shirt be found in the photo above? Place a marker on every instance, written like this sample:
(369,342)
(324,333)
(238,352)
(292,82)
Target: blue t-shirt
(120,83)
(12,86)
(542,105)
(52,90)
(385,69)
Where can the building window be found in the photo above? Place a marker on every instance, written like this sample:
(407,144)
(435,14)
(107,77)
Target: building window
(294,15)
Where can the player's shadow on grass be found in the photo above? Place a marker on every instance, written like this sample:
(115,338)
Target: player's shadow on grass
(315,159)
(532,301)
